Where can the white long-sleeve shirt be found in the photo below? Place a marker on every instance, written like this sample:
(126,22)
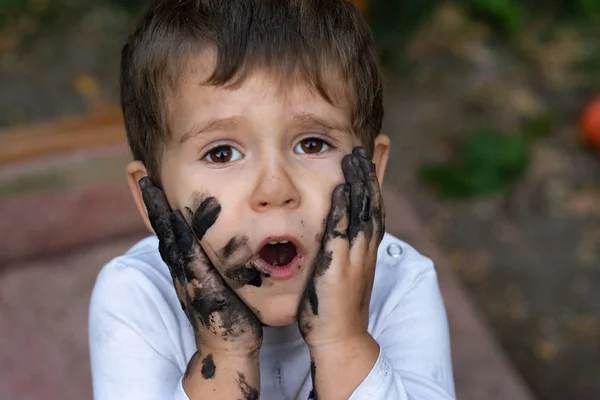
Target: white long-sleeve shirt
(141,340)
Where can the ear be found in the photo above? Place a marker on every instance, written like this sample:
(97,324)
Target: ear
(381,152)
(136,170)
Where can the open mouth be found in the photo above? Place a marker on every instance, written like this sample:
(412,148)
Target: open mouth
(278,253)
(279,258)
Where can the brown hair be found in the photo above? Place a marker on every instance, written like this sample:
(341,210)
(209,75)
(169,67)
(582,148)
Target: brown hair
(304,40)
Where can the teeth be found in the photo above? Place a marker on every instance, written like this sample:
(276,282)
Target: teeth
(282,242)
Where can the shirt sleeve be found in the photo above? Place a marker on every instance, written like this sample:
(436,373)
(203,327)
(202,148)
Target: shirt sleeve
(128,360)
(414,360)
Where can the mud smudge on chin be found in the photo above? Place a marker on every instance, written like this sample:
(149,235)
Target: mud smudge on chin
(192,365)
(233,246)
(248,392)
(245,275)
(205,216)
(208,367)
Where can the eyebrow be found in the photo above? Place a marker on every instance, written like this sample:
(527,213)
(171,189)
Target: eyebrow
(305,121)
(311,121)
(212,125)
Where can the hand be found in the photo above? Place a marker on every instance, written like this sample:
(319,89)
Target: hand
(335,305)
(222,323)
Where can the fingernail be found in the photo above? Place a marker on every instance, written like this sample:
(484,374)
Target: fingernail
(144,182)
(361,151)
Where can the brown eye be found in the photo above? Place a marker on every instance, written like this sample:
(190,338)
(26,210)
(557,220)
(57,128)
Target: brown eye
(311,146)
(222,155)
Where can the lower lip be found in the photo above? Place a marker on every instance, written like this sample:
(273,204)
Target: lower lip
(283,272)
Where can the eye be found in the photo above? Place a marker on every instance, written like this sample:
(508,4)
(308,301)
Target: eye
(222,155)
(311,146)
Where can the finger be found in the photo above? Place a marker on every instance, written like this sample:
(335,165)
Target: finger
(360,219)
(355,177)
(207,293)
(159,214)
(360,199)
(352,172)
(192,261)
(377,209)
(157,206)
(360,151)
(337,221)
(336,229)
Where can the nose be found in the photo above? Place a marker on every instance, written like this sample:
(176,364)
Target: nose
(274,187)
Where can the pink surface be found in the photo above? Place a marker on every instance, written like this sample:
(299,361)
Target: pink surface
(46,223)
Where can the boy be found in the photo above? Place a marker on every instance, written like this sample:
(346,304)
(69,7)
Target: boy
(255,129)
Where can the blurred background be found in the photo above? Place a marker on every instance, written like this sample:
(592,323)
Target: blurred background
(493,107)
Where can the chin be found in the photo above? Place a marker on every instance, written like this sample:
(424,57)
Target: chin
(279,311)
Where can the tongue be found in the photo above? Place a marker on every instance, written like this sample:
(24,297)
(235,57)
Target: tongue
(278,254)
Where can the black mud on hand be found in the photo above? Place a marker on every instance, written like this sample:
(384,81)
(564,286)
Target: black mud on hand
(239,275)
(334,229)
(248,392)
(205,297)
(372,213)
(360,199)
(160,216)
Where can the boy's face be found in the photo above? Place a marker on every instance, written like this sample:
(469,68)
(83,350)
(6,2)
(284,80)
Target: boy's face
(271,159)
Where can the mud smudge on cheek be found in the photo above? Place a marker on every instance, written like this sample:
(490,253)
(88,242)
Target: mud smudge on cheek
(234,244)
(248,392)
(245,275)
(192,365)
(205,216)
(208,367)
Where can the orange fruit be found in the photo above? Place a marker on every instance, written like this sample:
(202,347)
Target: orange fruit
(589,123)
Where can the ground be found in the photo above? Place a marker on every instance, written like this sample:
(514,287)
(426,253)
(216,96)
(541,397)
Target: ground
(529,255)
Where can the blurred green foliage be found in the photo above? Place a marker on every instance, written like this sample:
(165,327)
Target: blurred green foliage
(488,162)
(393,20)
(506,16)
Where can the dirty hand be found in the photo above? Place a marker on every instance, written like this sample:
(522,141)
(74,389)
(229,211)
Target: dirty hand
(222,323)
(335,305)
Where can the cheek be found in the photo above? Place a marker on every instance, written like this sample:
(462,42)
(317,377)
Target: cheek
(232,221)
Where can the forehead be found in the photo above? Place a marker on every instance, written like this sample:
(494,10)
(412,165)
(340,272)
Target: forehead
(259,92)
